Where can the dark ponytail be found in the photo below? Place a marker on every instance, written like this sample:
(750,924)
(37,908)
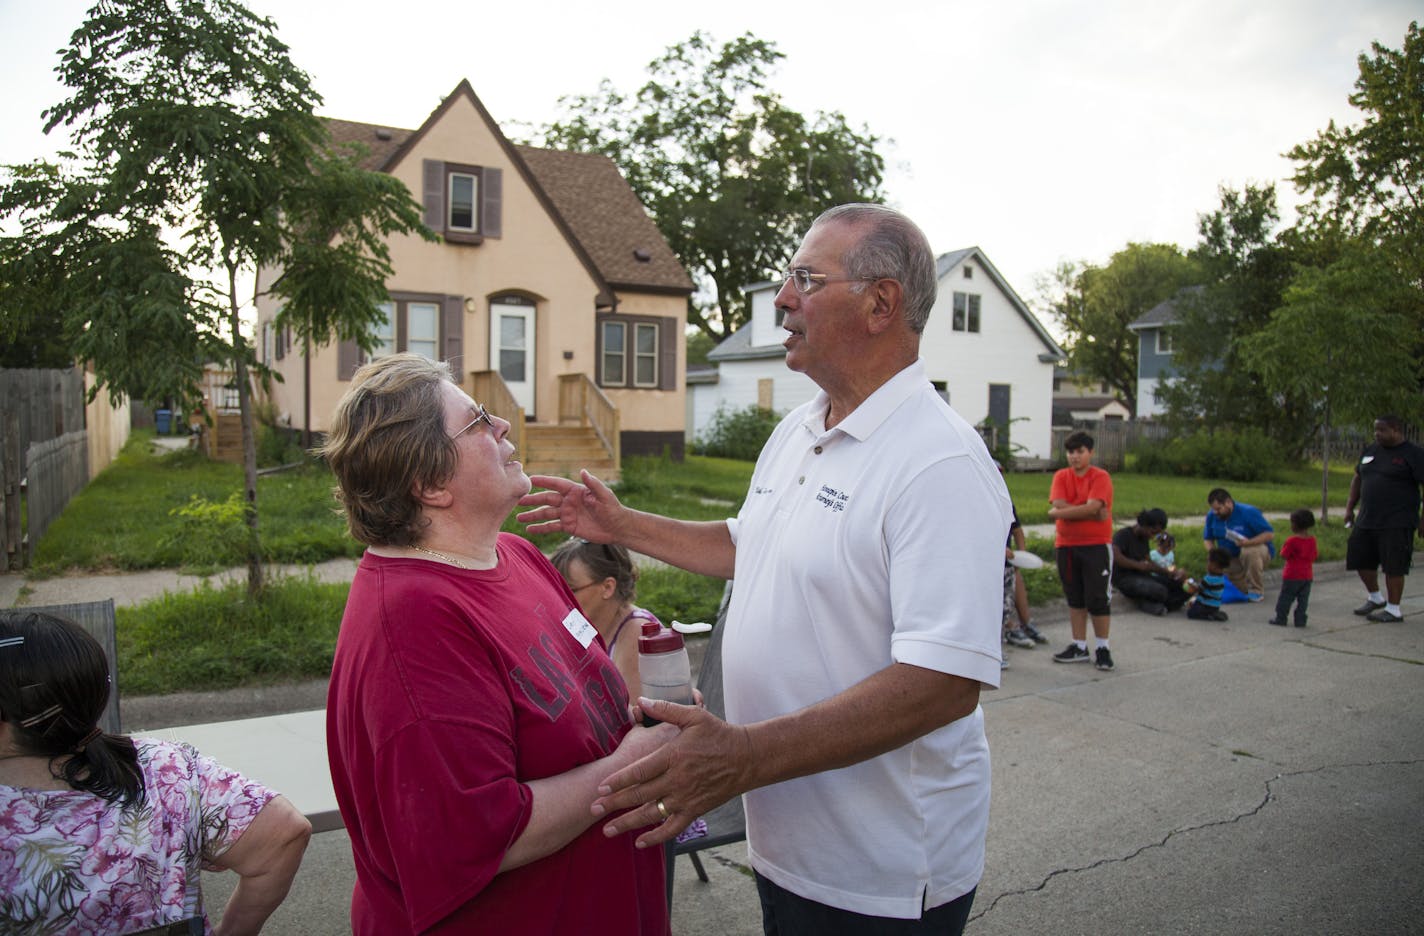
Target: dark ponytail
(54,684)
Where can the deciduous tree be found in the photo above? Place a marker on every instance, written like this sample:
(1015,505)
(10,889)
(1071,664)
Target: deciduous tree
(732,176)
(1367,180)
(1343,340)
(1097,304)
(1246,266)
(196,158)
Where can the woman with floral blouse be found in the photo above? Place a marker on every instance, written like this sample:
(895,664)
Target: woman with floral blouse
(102,833)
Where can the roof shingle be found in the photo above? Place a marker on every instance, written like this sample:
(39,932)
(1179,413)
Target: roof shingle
(596,203)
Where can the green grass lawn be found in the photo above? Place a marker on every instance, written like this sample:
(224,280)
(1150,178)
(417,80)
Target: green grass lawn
(1186,497)
(132,516)
(126,518)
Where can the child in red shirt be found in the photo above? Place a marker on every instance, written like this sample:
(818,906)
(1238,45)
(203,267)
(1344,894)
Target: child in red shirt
(1299,552)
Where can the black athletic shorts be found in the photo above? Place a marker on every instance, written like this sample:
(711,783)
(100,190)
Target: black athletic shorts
(1390,549)
(1085,572)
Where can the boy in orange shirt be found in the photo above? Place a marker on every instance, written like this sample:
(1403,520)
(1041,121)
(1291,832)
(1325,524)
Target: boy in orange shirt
(1080,503)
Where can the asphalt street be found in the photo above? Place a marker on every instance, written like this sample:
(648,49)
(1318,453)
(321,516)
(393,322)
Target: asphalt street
(1226,778)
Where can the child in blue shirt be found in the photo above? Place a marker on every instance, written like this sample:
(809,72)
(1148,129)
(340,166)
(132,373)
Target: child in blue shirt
(1206,605)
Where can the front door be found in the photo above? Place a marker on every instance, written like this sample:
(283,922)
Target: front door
(512,347)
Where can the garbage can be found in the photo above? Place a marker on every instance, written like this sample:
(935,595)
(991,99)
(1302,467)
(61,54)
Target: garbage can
(163,421)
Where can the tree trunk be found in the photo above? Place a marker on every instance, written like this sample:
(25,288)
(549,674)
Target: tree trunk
(249,437)
(1325,464)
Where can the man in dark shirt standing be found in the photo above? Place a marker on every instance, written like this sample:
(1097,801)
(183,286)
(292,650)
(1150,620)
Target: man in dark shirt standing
(1386,486)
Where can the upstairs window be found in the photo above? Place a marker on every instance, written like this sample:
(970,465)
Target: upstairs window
(1165,344)
(966,312)
(464,190)
(462,203)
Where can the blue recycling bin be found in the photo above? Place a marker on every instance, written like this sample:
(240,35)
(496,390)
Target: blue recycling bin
(163,420)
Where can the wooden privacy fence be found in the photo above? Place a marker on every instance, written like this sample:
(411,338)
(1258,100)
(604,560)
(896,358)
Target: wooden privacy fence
(1112,440)
(42,417)
(48,403)
(56,470)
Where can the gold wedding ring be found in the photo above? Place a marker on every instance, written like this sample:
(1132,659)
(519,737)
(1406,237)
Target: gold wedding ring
(662,810)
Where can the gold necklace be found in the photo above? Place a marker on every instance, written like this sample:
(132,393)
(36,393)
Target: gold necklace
(442,556)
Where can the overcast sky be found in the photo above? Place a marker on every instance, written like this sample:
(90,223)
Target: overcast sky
(1037,130)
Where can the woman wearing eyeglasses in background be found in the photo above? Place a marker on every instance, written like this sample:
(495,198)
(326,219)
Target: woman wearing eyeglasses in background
(102,833)
(603,578)
(471,712)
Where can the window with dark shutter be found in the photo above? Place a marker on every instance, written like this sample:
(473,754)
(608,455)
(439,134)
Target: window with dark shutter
(491,197)
(667,367)
(462,203)
(433,194)
(638,352)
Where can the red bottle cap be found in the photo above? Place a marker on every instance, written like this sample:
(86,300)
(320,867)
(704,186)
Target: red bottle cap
(669,641)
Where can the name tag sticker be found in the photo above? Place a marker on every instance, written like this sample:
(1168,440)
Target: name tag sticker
(577,625)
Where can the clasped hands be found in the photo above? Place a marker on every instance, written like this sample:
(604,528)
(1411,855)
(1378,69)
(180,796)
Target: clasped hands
(699,770)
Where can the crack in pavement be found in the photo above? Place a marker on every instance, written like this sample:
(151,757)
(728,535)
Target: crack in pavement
(1122,859)
(1361,653)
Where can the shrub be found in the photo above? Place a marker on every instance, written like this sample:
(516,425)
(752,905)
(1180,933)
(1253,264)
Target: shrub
(210,534)
(738,433)
(1233,456)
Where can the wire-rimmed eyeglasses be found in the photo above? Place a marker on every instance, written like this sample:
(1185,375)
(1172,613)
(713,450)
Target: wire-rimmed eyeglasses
(807,282)
(483,416)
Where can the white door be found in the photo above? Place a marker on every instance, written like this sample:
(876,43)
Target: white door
(512,350)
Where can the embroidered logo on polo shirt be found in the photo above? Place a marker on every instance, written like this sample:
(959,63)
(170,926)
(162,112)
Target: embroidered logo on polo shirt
(832,499)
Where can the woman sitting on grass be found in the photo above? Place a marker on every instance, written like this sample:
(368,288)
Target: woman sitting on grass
(100,833)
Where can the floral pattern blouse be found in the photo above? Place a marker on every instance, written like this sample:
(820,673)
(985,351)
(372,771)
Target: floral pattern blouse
(72,863)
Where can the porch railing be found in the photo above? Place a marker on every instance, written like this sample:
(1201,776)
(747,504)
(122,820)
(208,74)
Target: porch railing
(490,390)
(582,403)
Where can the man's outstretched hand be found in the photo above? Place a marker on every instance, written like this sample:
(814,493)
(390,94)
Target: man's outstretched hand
(589,510)
(703,767)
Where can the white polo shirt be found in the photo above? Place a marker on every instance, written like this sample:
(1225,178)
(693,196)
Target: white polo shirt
(878,541)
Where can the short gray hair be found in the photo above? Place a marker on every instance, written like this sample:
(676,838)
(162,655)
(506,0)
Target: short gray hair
(893,247)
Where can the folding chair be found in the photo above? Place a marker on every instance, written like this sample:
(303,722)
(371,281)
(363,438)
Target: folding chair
(96,617)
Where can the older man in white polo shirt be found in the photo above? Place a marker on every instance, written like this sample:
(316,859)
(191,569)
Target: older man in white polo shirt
(868,558)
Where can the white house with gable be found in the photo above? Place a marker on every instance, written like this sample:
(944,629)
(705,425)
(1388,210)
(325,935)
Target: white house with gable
(983,349)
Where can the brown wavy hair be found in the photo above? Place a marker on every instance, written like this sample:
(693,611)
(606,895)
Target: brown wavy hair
(387,439)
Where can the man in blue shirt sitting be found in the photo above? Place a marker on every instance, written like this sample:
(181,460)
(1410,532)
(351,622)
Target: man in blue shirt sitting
(1245,534)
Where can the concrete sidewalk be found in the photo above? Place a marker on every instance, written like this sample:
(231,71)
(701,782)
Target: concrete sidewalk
(1226,777)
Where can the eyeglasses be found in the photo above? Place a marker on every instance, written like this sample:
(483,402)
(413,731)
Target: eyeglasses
(578,588)
(483,416)
(807,282)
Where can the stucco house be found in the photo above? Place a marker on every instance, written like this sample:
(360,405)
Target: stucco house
(985,352)
(1154,329)
(551,292)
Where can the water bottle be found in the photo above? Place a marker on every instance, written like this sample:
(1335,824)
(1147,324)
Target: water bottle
(664,668)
